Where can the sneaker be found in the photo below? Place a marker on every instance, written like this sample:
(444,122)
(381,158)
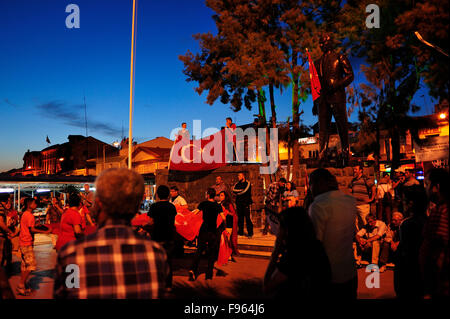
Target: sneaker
(192,276)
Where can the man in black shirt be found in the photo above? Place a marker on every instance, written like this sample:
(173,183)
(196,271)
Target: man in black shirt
(208,237)
(243,191)
(163,231)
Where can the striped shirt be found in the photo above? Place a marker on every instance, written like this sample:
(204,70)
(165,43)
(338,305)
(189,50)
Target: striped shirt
(113,263)
(360,189)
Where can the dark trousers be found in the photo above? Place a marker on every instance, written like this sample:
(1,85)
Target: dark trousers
(339,111)
(384,212)
(243,213)
(209,242)
(272,220)
(387,254)
(169,247)
(345,291)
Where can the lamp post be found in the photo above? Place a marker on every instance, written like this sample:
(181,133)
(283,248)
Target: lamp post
(132,71)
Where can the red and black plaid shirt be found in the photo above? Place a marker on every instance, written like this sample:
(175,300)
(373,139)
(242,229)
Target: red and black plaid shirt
(114,263)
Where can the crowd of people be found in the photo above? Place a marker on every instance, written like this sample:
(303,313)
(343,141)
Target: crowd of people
(319,244)
(402,222)
(63,223)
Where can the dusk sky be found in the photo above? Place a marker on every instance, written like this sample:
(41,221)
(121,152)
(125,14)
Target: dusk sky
(46,70)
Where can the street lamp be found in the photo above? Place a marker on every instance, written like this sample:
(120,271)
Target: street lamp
(442,116)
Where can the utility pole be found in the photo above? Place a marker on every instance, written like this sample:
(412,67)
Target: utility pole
(132,72)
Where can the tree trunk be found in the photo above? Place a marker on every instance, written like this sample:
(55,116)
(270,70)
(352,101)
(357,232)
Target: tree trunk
(395,142)
(289,164)
(274,121)
(272,106)
(377,151)
(262,118)
(295,121)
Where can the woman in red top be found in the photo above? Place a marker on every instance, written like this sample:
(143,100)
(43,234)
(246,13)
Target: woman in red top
(232,220)
(70,228)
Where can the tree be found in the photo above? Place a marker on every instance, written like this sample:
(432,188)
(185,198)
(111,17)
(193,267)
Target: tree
(431,19)
(390,65)
(260,43)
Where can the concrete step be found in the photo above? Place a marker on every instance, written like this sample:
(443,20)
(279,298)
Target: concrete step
(242,252)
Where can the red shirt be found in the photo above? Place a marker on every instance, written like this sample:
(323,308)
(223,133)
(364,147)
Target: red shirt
(25,237)
(70,218)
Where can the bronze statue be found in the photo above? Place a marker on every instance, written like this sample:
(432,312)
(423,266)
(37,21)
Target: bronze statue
(335,73)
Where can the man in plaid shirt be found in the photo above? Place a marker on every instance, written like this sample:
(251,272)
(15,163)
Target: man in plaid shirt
(114,262)
(273,205)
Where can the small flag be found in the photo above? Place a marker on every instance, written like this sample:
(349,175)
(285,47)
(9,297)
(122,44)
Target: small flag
(47,140)
(315,82)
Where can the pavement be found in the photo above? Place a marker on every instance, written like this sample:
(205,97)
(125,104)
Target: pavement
(240,279)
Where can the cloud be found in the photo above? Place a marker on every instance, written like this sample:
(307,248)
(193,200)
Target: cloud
(73,115)
(7,101)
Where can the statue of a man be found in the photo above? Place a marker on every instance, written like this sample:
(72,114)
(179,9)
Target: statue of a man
(335,73)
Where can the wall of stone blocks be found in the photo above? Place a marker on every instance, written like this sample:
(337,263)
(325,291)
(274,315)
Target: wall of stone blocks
(193,186)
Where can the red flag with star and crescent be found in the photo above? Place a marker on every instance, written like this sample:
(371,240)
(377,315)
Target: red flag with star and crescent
(315,82)
(198,155)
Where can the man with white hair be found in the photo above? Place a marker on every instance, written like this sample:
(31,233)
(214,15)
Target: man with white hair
(113,262)
(391,241)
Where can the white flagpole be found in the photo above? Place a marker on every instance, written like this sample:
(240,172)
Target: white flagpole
(132,68)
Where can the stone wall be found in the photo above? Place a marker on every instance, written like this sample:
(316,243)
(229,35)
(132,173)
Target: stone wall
(193,185)
(345,175)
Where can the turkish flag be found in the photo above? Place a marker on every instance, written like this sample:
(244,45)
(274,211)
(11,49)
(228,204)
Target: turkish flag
(188,223)
(315,82)
(199,155)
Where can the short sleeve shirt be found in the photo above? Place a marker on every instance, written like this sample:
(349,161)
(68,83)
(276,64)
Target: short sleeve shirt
(70,218)
(25,237)
(360,189)
(210,212)
(379,229)
(163,213)
(179,201)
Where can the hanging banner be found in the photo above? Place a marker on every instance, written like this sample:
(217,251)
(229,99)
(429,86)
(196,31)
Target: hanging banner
(431,149)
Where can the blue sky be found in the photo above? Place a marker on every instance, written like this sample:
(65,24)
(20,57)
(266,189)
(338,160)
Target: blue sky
(46,70)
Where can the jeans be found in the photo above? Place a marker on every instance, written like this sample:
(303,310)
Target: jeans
(272,220)
(209,242)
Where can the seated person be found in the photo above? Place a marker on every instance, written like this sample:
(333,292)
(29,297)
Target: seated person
(370,237)
(391,240)
(176,199)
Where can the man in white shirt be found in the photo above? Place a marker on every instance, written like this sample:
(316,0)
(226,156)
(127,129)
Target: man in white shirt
(184,133)
(176,199)
(333,215)
(369,238)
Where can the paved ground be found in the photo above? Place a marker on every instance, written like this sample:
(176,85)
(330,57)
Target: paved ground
(242,279)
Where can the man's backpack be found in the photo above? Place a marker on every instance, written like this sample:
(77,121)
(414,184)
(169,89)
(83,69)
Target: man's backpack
(387,196)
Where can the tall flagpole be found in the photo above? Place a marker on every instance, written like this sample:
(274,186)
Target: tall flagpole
(132,69)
